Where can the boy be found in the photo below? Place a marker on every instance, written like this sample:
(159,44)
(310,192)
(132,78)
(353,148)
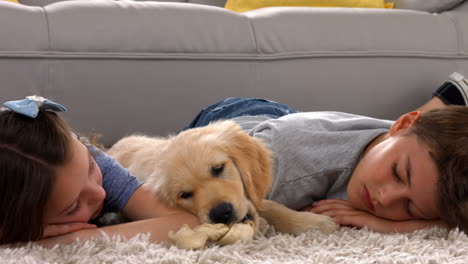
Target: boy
(389,176)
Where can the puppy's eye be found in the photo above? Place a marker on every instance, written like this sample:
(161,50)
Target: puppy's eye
(186,195)
(217,170)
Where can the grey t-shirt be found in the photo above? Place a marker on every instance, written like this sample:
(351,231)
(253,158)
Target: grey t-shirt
(117,181)
(315,152)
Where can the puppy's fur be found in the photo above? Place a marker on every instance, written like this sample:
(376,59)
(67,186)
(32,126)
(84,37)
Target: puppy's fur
(217,172)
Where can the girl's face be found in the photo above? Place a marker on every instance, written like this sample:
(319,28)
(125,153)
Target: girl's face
(397,178)
(77,195)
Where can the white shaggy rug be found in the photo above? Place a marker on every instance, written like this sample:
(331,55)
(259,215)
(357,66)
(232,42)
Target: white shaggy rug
(346,245)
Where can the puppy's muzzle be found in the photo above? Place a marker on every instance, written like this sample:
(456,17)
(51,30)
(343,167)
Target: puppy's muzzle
(224,213)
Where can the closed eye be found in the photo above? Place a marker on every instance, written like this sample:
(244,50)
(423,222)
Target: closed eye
(408,209)
(75,209)
(395,173)
(186,195)
(217,170)
(399,180)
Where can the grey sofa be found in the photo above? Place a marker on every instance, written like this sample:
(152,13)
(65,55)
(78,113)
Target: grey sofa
(123,66)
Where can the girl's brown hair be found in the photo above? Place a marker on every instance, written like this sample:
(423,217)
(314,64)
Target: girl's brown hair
(30,151)
(445,131)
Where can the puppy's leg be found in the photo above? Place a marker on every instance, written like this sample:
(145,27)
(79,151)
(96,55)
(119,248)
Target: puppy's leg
(289,221)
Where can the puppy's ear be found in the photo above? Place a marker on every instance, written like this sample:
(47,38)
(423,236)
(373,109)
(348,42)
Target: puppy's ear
(158,184)
(251,157)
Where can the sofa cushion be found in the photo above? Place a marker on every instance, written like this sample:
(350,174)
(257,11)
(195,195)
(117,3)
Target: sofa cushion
(28,34)
(155,27)
(432,6)
(352,31)
(247,5)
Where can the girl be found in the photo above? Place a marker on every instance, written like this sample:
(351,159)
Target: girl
(53,183)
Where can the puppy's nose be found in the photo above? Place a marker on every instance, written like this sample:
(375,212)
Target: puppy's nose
(222,213)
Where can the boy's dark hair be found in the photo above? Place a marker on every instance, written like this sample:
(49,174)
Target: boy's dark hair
(30,151)
(445,131)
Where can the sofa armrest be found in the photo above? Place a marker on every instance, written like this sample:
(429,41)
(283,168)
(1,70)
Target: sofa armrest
(459,18)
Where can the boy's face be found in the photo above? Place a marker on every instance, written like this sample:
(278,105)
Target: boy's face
(396,178)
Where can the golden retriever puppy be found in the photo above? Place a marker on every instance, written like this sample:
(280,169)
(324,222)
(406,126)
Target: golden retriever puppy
(217,172)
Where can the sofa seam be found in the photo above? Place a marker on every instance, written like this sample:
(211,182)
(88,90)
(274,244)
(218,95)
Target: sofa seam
(48,83)
(257,52)
(48,28)
(227,56)
(253,33)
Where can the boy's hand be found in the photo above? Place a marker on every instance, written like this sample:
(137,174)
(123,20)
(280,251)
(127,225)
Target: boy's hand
(343,213)
(58,230)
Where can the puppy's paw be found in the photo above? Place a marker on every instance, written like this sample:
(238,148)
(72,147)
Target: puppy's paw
(306,220)
(326,224)
(262,226)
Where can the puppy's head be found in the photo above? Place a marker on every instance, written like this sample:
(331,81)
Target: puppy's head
(217,172)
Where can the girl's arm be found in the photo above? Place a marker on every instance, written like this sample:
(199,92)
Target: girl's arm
(149,211)
(157,227)
(343,213)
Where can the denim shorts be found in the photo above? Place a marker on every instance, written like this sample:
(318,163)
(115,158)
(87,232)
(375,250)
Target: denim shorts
(235,107)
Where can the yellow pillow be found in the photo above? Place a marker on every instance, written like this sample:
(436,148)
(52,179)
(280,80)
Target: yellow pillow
(14,1)
(246,5)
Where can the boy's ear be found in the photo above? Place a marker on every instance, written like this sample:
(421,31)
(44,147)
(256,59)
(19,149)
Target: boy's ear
(404,122)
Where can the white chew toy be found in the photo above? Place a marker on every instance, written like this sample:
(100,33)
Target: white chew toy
(220,234)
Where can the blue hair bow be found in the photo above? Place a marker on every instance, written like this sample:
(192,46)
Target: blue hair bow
(32,104)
